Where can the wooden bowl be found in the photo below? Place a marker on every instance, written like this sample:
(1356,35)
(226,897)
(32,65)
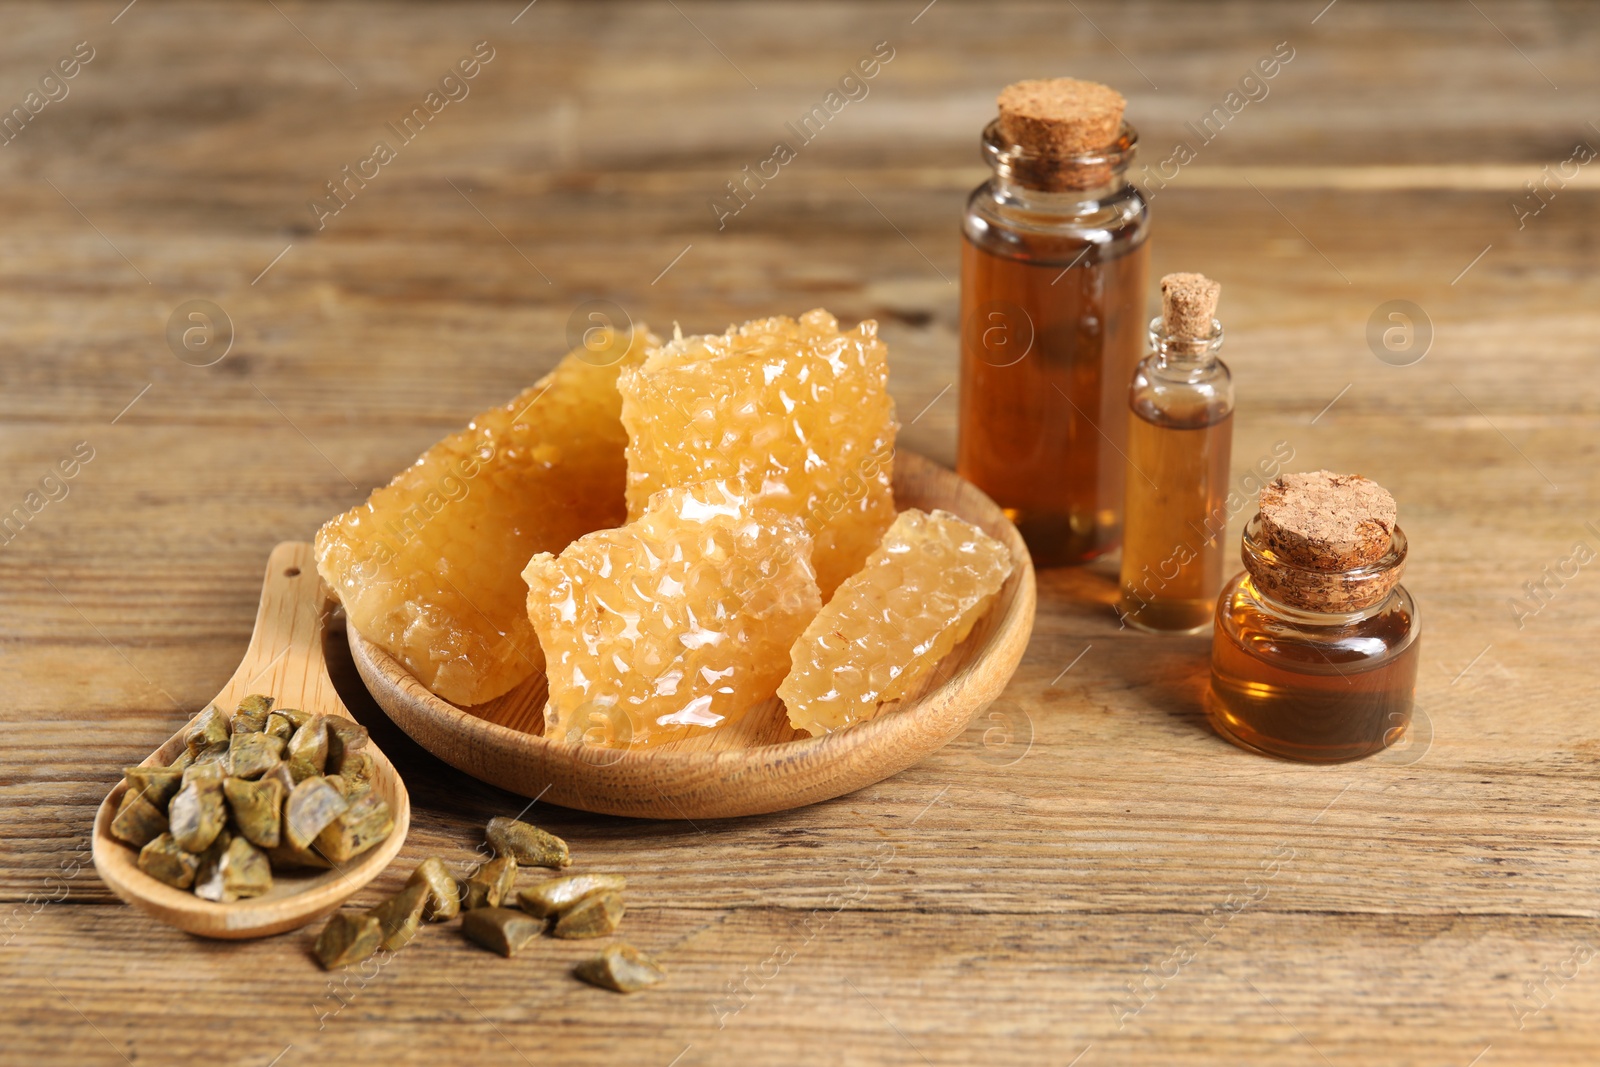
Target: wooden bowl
(758,765)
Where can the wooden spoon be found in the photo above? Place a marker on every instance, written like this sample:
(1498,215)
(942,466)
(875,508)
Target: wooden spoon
(284,661)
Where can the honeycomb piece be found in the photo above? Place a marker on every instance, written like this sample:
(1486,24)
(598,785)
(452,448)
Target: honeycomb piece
(428,567)
(918,596)
(795,411)
(677,622)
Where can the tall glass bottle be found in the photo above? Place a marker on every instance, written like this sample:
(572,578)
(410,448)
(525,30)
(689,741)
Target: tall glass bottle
(1179,443)
(1053,275)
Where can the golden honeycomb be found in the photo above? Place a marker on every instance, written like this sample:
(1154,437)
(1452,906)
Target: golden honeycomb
(676,623)
(794,411)
(428,567)
(922,589)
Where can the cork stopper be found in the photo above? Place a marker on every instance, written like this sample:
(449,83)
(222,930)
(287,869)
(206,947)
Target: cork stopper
(1054,119)
(1189,305)
(1327,522)
(1325,542)
(1060,117)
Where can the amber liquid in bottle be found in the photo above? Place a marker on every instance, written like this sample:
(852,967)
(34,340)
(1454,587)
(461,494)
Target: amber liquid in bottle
(1052,324)
(1048,345)
(1172,546)
(1319,695)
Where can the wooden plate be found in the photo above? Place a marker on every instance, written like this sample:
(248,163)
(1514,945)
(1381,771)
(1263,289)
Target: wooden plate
(760,765)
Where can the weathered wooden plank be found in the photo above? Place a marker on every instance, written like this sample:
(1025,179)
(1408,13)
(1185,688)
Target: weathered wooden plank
(1261,986)
(1011,887)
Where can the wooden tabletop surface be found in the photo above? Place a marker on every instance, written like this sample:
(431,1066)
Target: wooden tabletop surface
(1090,875)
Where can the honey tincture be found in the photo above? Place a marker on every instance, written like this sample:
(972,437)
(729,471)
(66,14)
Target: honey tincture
(1180,435)
(1315,652)
(1053,275)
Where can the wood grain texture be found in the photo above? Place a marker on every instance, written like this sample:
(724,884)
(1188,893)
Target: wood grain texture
(1087,827)
(284,660)
(756,766)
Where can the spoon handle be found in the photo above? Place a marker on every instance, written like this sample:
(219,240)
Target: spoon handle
(285,657)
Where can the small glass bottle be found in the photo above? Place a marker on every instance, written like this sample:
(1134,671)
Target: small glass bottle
(1316,645)
(1053,275)
(1179,443)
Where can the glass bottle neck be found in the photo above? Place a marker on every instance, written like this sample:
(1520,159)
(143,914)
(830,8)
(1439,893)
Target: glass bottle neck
(1331,596)
(1008,186)
(1302,617)
(1062,184)
(1185,357)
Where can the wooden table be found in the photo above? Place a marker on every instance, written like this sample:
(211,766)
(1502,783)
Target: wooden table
(1090,876)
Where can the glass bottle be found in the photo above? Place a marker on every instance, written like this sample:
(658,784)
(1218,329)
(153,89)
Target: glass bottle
(1053,275)
(1179,443)
(1319,666)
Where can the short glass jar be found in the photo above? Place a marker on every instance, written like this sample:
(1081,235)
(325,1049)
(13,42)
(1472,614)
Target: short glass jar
(1312,665)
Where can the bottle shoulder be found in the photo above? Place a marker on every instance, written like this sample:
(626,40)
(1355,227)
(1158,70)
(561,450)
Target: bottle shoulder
(1182,396)
(1007,221)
